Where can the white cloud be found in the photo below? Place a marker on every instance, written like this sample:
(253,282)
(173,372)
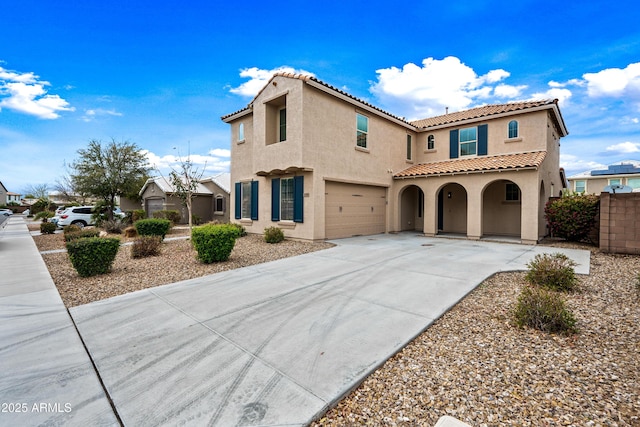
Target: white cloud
(210,164)
(90,115)
(23,92)
(573,164)
(561,94)
(436,84)
(624,148)
(258,78)
(220,152)
(614,82)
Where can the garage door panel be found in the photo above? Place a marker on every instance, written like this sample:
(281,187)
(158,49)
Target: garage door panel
(353,209)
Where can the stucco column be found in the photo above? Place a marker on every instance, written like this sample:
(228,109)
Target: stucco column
(474,214)
(529,215)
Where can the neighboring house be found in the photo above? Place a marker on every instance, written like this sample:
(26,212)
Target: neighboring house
(321,164)
(593,182)
(7,196)
(210,203)
(3,194)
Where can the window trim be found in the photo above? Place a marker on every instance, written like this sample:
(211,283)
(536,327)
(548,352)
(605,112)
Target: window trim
(218,198)
(240,132)
(431,142)
(360,133)
(409,148)
(468,142)
(509,192)
(575,185)
(615,179)
(515,129)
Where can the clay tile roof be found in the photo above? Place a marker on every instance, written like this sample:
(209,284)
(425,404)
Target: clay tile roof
(529,160)
(474,113)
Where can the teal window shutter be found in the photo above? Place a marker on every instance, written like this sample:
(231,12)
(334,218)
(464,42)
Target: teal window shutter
(254,200)
(238,200)
(298,198)
(453,144)
(482,140)
(275,199)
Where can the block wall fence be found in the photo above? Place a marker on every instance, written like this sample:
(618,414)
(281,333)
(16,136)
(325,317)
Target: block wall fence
(620,223)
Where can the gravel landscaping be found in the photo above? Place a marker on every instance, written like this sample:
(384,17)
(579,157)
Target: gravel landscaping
(472,363)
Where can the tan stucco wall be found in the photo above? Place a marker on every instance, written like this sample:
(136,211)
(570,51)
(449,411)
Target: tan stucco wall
(321,133)
(595,185)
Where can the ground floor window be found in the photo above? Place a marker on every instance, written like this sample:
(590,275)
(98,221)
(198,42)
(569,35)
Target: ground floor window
(512,192)
(287,199)
(246,200)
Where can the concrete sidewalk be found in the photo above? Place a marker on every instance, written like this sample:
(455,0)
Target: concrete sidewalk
(279,343)
(47,377)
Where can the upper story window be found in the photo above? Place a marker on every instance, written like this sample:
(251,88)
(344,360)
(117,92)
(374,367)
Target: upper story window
(276,120)
(513,129)
(431,142)
(468,141)
(362,130)
(282,129)
(241,132)
(580,186)
(408,147)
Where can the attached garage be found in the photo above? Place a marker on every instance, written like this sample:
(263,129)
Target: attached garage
(354,209)
(153,205)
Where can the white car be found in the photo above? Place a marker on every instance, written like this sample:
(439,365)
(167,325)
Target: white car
(6,212)
(82,216)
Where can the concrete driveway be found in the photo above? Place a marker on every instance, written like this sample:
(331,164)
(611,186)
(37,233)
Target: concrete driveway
(278,343)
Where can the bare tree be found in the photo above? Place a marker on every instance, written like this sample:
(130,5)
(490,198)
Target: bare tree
(38,191)
(185,183)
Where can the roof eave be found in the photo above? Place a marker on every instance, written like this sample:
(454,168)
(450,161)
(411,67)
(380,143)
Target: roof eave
(468,172)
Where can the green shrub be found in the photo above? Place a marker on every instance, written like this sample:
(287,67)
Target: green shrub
(572,217)
(138,214)
(171,215)
(241,230)
(152,227)
(44,215)
(196,220)
(214,242)
(554,271)
(114,226)
(545,310)
(145,246)
(48,228)
(273,235)
(93,255)
(80,234)
(40,205)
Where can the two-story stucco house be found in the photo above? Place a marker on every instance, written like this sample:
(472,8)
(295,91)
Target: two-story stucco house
(321,164)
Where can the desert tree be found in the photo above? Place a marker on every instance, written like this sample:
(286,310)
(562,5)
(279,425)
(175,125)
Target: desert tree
(185,181)
(109,170)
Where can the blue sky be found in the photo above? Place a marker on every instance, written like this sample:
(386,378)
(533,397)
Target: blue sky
(160,74)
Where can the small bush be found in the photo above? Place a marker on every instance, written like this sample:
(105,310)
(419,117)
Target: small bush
(93,255)
(572,217)
(544,310)
(214,242)
(130,231)
(48,228)
(80,234)
(240,229)
(196,220)
(554,271)
(171,215)
(113,226)
(145,246)
(138,214)
(152,227)
(273,235)
(70,229)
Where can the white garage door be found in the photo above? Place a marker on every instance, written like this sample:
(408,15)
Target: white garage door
(354,209)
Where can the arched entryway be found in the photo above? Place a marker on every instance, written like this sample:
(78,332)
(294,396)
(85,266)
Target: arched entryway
(452,209)
(411,208)
(502,209)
